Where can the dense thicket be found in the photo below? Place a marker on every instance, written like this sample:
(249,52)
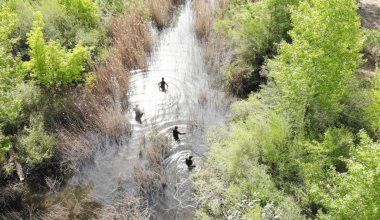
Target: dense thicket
(47,50)
(44,53)
(306,145)
(255,28)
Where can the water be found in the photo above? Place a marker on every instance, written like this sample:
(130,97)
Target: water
(191,103)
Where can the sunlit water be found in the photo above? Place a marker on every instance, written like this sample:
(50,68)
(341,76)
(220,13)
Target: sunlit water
(191,103)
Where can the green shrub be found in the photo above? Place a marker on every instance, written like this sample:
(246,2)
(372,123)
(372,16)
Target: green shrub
(5,147)
(372,44)
(112,6)
(51,65)
(11,69)
(85,10)
(353,193)
(34,144)
(373,110)
(59,24)
(255,28)
(234,185)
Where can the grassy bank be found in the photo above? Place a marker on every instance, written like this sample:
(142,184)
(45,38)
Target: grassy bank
(305,145)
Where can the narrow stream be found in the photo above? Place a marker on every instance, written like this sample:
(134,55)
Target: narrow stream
(191,103)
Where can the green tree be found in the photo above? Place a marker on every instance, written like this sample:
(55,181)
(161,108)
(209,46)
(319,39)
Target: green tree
(52,65)
(313,73)
(11,74)
(355,193)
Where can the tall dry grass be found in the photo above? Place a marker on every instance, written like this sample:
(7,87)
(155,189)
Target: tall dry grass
(101,108)
(131,208)
(160,10)
(149,175)
(217,51)
(71,202)
(203,19)
(131,40)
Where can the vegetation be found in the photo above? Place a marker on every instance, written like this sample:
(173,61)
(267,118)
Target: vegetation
(50,64)
(256,28)
(306,145)
(58,71)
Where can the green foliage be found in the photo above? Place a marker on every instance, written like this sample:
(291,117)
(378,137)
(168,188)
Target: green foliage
(241,164)
(373,110)
(295,138)
(372,44)
(34,144)
(351,193)
(60,24)
(255,28)
(85,10)
(112,6)
(8,75)
(314,72)
(51,64)
(5,146)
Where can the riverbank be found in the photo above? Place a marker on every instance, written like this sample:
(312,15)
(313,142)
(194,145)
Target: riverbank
(301,145)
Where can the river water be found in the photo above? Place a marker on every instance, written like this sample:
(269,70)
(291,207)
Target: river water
(192,103)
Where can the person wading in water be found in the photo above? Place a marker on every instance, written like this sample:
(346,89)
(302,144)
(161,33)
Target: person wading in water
(176,133)
(138,113)
(163,85)
(189,162)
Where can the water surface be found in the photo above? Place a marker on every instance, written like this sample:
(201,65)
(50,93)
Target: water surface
(191,103)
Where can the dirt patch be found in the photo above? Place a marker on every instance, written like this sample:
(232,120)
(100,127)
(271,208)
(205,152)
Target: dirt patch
(370,13)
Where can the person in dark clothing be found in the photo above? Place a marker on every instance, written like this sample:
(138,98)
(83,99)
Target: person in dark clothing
(176,133)
(163,85)
(189,162)
(138,113)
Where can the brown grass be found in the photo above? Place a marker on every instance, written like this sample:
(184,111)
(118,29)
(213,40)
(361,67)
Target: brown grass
(73,147)
(131,208)
(217,51)
(131,40)
(149,176)
(101,108)
(160,10)
(202,19)
(72,202)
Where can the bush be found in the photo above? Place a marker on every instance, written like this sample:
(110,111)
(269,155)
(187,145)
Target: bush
(373,110)
(84,10)
(372,44)
(234,175)
(351,193)
(255,29)
(34,144)
(5,147)
(51,65)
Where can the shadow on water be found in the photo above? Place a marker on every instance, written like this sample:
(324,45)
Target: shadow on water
(190,102)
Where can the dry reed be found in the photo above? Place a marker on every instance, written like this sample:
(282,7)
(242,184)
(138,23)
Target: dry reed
(202,19)
(72,202)
(131,40)
(217,51)
(160,10)
(149,176)
(101,108)
(131,208)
